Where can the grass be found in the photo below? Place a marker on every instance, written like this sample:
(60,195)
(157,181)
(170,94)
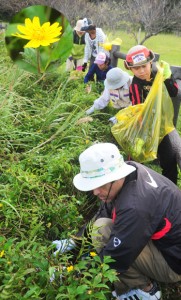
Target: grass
(167,45)
(40,144)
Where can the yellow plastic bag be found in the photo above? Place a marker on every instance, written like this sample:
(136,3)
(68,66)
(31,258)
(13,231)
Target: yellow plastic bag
(141,128)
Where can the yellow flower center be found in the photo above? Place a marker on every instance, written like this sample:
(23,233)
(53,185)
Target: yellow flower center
(38,35)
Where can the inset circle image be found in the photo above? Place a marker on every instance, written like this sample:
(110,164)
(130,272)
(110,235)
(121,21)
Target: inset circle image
(39,39)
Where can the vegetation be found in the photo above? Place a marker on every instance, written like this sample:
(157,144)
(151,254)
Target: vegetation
(43,130)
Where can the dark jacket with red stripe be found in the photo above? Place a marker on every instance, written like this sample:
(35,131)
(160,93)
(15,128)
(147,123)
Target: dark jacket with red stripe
(147,207)
(139,88)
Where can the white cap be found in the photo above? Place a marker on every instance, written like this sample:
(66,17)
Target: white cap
(79,25)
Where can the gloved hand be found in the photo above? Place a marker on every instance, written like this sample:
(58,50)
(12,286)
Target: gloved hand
(64,245)
(113,120)
(70,58)
(90,110)
(84,66)
(88,89)
(166,70)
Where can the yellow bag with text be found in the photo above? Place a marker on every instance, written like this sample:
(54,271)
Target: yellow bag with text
(141,128)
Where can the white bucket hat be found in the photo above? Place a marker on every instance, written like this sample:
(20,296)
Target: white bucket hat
(116,78)
(79,25)
(100,164)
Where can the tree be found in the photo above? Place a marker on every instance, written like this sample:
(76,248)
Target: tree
(152,16)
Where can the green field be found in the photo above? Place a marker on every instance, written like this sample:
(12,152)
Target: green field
(167,45)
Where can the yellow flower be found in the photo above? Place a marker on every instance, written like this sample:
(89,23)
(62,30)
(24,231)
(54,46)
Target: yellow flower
(89,292)
(2,253)
(49,225)
(38,35)
(1,205)
(69,269)
(93,254)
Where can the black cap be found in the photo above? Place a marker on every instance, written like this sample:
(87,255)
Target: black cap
(87,25)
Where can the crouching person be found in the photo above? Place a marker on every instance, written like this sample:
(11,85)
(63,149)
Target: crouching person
(138,223)
(116,91)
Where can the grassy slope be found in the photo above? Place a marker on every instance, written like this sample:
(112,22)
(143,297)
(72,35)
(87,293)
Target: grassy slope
(36,182)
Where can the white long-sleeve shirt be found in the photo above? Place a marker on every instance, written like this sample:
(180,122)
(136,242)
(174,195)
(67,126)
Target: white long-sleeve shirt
(92,47)
(119,97)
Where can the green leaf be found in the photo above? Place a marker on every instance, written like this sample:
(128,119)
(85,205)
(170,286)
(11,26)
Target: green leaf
(105,267)
(81,289)
(61,49)
(31,291)
(97,279)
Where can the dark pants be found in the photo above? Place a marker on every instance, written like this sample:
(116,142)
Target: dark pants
(167,158)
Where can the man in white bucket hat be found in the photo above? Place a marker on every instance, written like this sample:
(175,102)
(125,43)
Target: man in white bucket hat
(138,223)
(116,91)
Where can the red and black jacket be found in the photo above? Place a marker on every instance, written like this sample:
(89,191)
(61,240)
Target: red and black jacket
(147,207)
(139,88)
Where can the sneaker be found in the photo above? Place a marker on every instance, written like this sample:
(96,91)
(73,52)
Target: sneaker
(137,294)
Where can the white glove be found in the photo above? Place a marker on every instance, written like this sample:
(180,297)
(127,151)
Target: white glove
(113,120)
(52,275)
(90,110)
(64,245)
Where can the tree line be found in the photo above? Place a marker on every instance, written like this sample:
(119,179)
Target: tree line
(151,17)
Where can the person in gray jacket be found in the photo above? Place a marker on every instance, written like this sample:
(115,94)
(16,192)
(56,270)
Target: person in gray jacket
(116,91)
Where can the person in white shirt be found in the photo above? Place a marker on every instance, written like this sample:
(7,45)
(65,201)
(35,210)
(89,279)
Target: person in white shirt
(116,91)
(94,38)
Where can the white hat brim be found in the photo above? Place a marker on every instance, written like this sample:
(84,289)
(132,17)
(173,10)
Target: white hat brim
(89,184)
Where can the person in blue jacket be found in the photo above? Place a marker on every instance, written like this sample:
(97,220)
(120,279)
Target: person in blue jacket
(99,68)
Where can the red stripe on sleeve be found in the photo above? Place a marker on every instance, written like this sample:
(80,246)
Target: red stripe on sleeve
(132,95)
(138,101)
(158,235)
(114,215)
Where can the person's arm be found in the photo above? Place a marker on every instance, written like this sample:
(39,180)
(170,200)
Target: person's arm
(100,102)
(169,80)
(90,73)
(86,49)
(172,86)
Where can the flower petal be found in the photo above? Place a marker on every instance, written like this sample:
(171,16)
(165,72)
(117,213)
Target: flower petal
(32,44)
(46,25)
(24,29)
(28,22)
(36,22)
